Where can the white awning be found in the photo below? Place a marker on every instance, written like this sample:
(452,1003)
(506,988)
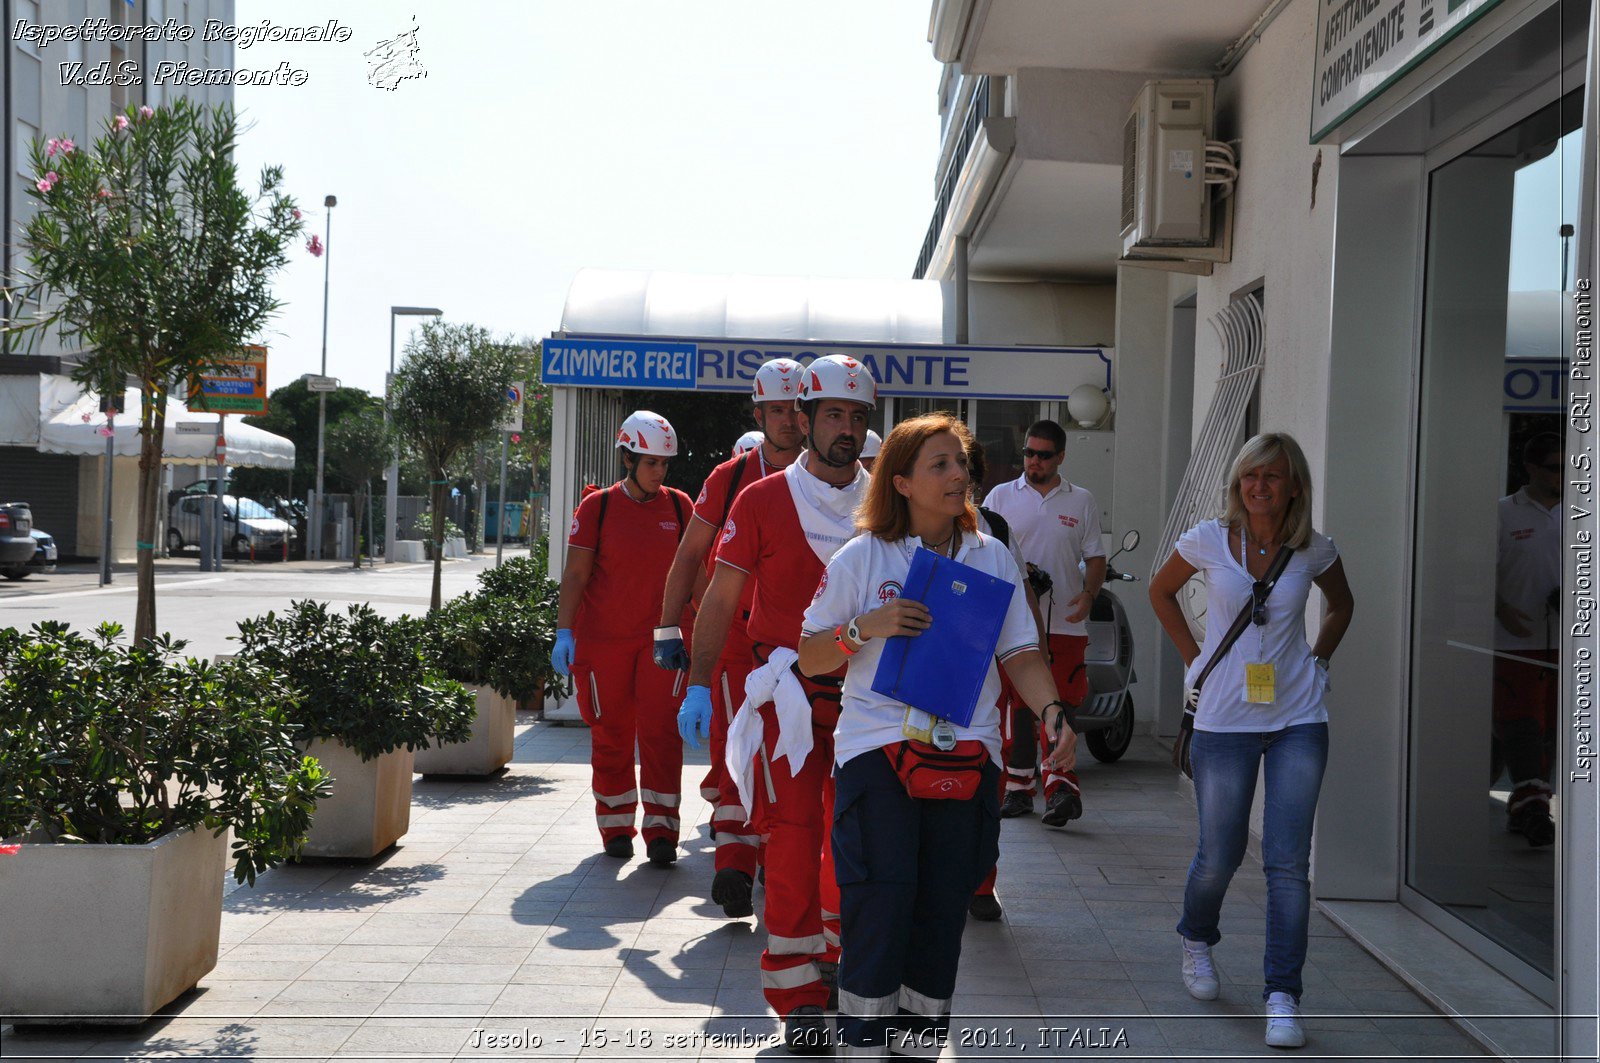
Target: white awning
(70,422)
(660,303)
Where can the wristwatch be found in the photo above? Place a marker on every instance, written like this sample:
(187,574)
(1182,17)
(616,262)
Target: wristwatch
(1322,661)
(854,632)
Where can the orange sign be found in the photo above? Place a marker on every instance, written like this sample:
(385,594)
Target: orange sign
(234,385)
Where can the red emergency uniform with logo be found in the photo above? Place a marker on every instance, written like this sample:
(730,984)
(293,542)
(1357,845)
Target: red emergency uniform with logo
(738,843)
(623,697)
(763,539)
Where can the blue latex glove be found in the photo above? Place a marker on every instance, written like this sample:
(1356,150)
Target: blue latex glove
(669,652)
(561,655)
(695,715)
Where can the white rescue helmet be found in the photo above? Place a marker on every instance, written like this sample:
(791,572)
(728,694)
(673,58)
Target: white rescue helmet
(837,376)
(778,380)
(748,442)
(869,449)
(648,433)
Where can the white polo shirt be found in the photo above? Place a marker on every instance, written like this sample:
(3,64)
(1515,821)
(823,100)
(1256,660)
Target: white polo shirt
(1055,531)
(1527,568)
(868,572)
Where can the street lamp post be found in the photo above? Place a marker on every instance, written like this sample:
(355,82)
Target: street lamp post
(318,511)
(391,490)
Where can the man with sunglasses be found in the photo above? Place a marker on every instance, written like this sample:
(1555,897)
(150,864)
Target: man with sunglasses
(1056,524)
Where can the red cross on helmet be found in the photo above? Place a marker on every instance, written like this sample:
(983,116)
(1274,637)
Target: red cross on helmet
(644,432)
(778,380)
(836,376)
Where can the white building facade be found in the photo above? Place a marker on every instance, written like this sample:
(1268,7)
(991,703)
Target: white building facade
(42,98)
(1397,278)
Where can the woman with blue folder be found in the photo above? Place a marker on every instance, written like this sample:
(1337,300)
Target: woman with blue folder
(916,822)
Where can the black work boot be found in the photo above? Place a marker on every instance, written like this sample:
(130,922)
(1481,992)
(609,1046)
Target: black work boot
(731,889)
(805,1032)
(1063,807)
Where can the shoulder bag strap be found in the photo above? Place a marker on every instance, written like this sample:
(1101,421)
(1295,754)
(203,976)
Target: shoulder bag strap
(1242,621)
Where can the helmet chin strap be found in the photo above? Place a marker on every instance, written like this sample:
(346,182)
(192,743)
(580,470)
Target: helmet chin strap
(820,455)
(632,475)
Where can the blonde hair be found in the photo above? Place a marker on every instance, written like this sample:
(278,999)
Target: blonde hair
(1265,449)
(884,511)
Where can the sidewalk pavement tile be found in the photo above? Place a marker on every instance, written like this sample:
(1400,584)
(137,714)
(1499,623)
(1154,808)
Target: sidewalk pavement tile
(498,913)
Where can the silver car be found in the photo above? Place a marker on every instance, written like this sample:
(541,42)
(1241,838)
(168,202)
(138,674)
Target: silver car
(249,527)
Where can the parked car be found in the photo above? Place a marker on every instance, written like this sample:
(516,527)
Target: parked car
(248,527)
(16,539)
(44,555)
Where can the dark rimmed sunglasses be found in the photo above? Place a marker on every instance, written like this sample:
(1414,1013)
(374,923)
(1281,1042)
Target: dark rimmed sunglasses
(1042,455)
(1258,595)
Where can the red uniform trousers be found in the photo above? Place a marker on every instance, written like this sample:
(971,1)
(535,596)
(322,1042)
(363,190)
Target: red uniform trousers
(627,701)
(1008,698)
(1022,759)
(802,895)
(738,843)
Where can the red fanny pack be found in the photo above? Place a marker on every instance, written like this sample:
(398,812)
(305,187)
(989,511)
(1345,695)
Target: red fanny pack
(927,771)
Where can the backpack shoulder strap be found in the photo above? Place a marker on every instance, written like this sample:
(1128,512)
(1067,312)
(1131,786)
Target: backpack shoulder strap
(677,507)
(733,489)
(997,524)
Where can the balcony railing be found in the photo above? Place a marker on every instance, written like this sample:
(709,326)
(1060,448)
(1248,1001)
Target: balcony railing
(971,122)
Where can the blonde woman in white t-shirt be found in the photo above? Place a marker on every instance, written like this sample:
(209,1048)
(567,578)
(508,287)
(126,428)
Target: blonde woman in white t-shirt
(1278,718)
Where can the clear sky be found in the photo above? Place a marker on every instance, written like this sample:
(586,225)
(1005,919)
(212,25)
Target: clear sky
(736,136)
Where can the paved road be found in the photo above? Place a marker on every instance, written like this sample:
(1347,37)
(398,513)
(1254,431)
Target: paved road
(205,607)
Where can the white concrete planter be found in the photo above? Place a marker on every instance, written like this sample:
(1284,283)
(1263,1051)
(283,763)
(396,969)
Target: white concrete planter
(108,933)
(486,750)
(455,548)
(410,550)
(371,804)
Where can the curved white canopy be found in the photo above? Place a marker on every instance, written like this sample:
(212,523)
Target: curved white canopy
(190,439)
(661,303)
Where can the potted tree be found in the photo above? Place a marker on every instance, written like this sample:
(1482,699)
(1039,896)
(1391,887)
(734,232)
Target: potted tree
(525,581)
(499,646)
(121,772)
(367,696)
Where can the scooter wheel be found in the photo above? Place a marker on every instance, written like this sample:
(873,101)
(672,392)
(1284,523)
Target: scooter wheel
(1109,743)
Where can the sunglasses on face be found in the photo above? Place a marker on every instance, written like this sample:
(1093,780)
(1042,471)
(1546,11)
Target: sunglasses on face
(1042,455)
(1258,595)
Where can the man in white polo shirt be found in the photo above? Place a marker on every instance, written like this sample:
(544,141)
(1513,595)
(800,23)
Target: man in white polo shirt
(1057,525)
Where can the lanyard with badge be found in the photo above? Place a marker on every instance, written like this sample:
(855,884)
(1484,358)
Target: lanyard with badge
(920,726)
(1260,675)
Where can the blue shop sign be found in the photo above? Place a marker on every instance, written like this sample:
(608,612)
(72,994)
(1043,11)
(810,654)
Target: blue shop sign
(620,363)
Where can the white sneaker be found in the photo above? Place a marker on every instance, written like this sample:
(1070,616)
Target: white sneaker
(1283,1022)
(1199,976)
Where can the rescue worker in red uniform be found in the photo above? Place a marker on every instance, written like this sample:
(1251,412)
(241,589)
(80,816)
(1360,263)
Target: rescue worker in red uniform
(780,746)
(619,550)
(774,391)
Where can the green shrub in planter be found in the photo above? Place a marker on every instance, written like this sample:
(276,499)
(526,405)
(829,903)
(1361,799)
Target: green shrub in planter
(370,683)
(523,585)
(101,743)
(495,642)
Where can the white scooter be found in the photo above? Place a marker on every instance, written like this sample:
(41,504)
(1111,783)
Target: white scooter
(1106,717)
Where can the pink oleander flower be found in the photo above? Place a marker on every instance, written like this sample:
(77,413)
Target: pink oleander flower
(515,438)
(51,147)
(296,212)
(43,185)
(104,193)
(66,145)
(52,177)
(85,418)
(120,122)
(314,245)
(107,431)
(146,111)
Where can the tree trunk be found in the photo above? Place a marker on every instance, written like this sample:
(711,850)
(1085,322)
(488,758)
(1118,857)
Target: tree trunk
(361,513)
(152,432)
(438,488)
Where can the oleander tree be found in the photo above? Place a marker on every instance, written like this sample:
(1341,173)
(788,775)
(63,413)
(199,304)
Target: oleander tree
(147,252)
(449,396)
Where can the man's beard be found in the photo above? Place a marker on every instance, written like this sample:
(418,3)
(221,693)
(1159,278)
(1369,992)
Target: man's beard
(1039,478)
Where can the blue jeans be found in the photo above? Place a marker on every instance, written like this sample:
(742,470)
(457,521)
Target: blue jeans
(1225,767)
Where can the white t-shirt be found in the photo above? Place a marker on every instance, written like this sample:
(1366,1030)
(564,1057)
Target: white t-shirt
(1055,531)
(1300,687)
(1527,568)
(866,573)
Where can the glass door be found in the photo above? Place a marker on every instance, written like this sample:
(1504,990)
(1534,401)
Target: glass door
(1483,801)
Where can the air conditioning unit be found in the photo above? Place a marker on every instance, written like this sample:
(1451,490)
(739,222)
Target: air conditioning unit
(1166,203)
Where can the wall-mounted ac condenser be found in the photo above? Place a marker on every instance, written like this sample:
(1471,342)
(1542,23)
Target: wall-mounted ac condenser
(1165,200)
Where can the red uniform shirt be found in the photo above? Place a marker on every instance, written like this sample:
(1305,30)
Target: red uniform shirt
(633,550)
(763,538)
(714,504)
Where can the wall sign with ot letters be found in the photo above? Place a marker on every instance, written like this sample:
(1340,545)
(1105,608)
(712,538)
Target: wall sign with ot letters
(234,385)
(903,369)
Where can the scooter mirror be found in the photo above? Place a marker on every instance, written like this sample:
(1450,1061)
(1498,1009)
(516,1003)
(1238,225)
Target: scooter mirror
(1130,540)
